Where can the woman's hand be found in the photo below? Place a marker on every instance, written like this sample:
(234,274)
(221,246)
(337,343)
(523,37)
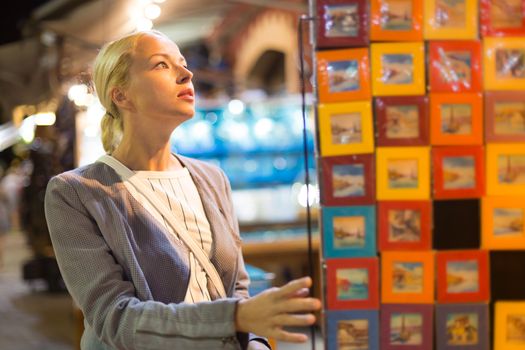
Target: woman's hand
(268,312)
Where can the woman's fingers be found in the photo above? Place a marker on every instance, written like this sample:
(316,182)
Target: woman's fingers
(301,293)
(285,336)
(288,320)
(298,305)
(294,286)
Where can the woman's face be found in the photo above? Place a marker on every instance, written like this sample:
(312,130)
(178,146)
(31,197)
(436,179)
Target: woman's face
(159,81)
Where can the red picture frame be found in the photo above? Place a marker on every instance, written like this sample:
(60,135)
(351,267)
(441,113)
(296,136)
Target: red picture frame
(488,28)
(342,177)
(505,116)
(455,66)
(341,286)
(459,172)
(413,218)
(402,112)
(456,280)
(336,24)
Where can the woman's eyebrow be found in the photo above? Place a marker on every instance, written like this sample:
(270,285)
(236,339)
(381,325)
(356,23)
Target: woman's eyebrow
(181,58)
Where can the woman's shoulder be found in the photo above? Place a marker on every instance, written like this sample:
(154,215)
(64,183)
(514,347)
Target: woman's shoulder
(202,167)
(89,174)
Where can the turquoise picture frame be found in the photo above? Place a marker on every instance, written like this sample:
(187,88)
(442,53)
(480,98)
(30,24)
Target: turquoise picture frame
(349,232)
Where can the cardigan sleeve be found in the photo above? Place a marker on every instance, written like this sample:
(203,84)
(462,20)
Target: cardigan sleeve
(108,301)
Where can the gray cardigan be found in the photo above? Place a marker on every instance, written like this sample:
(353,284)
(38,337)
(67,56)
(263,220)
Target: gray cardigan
(128,280)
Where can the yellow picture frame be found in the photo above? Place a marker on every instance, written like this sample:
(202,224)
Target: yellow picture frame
(502,223)
(506,313)
(500,59)
(450,21)
(352,122)
(398,69)
(403,173)
(505,169)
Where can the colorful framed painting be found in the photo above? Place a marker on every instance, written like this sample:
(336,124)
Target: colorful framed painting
(403,173)
(355,329)
(459,172)
(456,119)
(404,225)
(502,225)
(398,69)
(346,128)
(450,19)
(349,231)
(348,180)
(504,63)
(402,121)
(406,327)
(407,277)
(505,169)
(509,325)
(502,18)
(343,75)
(462,327)
(462,276)
(455,66)
(352,283)
(342,23)
(505,116)
(396,20)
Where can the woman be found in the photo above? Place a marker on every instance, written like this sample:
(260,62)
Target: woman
(137,282)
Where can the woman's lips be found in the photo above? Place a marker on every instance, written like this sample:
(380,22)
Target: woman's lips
(186,94)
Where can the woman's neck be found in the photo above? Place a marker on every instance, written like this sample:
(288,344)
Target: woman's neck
(146,152)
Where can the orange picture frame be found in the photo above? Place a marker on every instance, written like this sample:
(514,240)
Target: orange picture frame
(456,119)
(343,75)
(502,221)
(407,277)
(450,20)
(505,169)
(390,20)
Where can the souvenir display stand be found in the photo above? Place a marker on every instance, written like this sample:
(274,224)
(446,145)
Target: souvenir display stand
(421,166)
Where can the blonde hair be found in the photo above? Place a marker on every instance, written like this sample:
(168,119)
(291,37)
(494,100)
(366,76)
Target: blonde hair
(111,70)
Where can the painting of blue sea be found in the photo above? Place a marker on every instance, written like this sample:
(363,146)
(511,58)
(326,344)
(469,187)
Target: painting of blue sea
(343,75)
(352,284)
(348,180)
(462,276)
(406,329)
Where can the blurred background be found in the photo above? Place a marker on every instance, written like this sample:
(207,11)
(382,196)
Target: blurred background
(245,58)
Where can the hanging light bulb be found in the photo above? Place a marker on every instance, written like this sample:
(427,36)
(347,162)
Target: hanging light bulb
(152,11)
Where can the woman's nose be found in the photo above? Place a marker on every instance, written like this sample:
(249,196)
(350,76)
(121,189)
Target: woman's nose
(185,75)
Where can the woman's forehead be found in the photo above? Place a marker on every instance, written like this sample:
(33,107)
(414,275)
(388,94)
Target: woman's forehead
(150,44)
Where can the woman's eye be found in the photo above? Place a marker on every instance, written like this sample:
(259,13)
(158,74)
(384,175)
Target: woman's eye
(161,65)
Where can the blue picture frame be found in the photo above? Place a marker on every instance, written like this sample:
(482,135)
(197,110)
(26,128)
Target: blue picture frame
(334,318)
(447,339)
(352,234)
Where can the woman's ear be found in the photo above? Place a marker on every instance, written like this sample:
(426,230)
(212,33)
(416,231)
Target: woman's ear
(120,99)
